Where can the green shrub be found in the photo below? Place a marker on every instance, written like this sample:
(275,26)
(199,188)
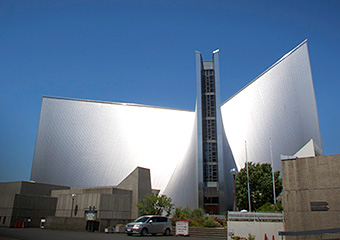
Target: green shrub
(196,218)
(187,213)
(239,238)
(210,222)
(177,213)
(182,213)
(251,237)
(198,213)
(198,222)
(220,221)
(174,220)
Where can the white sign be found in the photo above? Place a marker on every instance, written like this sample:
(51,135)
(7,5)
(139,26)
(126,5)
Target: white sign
(182,228)
(90,216)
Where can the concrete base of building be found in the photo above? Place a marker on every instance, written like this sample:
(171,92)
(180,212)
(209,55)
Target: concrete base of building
(80,224)
(65,223)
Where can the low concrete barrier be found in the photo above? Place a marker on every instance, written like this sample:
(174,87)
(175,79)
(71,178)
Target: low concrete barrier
(215,233)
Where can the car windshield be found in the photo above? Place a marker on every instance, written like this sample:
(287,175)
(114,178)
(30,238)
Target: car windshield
(142,219)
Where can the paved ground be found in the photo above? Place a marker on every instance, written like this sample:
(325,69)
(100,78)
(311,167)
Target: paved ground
(43,234)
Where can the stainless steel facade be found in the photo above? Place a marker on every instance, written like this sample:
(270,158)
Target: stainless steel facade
(278,105)
(87,143)
(83,143)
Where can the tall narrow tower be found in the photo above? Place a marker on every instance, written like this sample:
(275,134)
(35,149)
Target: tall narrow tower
(211,169)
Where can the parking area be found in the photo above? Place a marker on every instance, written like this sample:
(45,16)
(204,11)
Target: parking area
(37,234)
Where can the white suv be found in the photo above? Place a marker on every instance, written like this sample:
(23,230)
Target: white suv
(150,224)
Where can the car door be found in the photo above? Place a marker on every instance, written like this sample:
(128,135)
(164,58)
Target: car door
(159,225)
(152,225)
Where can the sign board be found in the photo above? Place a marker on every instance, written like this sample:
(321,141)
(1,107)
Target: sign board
(182,228)
(319,206)
(91,215)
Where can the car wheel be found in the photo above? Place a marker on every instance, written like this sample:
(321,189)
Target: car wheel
(144,232)
(167,232)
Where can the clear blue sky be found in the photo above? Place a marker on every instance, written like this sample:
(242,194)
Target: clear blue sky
(143,52)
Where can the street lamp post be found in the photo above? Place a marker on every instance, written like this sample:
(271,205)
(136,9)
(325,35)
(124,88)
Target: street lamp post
(234,172)
(73,197)
(273,176)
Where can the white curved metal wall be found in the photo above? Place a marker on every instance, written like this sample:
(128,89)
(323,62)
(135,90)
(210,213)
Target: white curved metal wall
(84,143)
(280,104)
(87,143)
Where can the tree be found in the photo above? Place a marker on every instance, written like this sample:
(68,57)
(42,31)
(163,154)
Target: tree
(260,184)
(268,207)
(155,205)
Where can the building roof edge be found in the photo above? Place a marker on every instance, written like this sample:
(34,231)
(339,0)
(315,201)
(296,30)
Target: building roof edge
(268,69)
(115,103)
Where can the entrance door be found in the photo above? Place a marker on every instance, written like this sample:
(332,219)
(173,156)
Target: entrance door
(211,208)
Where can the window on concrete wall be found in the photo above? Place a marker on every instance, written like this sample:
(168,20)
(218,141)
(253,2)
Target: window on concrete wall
(3,221)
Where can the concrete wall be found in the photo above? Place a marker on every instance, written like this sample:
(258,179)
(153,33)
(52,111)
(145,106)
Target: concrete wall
(65,223)
(81,201)
(307,180)
(109,202)
(259,229)
(32,207)
(115,206)
(10,187)
(20,201)
(39,189)
(6,209)
(139,182)
(23,201)
(79,224)
(29,188)
(95,190)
